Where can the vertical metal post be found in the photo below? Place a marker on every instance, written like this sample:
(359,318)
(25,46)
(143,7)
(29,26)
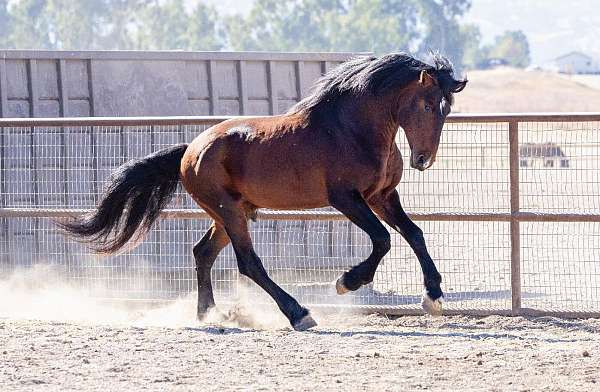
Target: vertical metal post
(4,240)
(515,232)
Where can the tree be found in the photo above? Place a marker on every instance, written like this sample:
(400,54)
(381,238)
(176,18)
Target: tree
(30,27)
(203,30)
(378,26)
(281,25)
(5,24)
(162,25)
(325,25)
(442,30)
(473,54)
(167,25)
(64,24)
(119,22)
(513,47)
(74,24)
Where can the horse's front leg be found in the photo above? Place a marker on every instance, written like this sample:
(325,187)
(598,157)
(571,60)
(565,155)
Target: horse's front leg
(353,205)
(391,211)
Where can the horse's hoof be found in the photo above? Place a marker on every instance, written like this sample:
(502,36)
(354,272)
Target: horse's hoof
(305,323)
(432,307)
(339,286)
(211,315)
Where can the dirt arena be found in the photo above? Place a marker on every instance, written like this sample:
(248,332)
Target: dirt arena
(59,340)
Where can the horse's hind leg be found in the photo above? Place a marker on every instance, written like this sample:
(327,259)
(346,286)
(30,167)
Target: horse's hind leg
(205,253)
(250,265)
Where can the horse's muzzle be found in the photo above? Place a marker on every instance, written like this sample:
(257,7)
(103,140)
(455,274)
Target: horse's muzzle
(421,161)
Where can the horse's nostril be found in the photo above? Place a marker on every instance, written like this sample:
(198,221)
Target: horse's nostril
(421,159)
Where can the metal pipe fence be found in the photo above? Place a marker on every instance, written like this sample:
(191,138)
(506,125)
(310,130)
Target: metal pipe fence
(510,211)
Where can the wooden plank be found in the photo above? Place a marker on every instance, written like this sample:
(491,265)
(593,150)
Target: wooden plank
(91,91)
(114,121)
(176,55)
(3,89)
(63,92)
(324,215)
(271,87)
(33,88)
(211,120)
(242,86)
(300,80)
(212,87)
(515,234)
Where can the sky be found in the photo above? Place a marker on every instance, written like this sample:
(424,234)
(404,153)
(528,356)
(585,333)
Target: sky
(553,27)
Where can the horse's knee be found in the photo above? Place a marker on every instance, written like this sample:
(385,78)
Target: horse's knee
(382,243)
(251,266)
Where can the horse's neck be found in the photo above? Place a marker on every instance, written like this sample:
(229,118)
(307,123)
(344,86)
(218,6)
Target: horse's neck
(375,120)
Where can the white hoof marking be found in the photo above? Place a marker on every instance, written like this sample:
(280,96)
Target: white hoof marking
(430,306)
(339,286)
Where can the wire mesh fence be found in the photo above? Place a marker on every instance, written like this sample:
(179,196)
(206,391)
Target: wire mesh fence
(468,205)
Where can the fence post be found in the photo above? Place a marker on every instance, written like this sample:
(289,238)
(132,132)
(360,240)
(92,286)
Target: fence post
(515,232)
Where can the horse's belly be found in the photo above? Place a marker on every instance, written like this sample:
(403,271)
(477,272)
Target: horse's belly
(279,193)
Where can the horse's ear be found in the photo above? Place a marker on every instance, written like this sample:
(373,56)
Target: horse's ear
(459,85)
(427,80)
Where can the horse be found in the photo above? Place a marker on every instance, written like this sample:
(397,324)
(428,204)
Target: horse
(334,148)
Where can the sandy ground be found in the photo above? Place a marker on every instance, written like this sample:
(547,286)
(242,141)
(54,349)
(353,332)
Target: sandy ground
(165,349)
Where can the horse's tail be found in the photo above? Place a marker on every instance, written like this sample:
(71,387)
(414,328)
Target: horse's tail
(137,192)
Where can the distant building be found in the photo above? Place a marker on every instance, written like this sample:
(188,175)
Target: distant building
(490,63)
(574,63)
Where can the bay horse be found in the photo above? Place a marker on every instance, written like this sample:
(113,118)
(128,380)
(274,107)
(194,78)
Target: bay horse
(334,148)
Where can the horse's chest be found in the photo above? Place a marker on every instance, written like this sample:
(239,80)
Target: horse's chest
(386,173)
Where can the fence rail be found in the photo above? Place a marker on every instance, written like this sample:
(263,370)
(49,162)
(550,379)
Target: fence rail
(527,233)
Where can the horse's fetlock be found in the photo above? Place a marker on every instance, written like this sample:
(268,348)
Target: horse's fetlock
(352,279)
(433,280)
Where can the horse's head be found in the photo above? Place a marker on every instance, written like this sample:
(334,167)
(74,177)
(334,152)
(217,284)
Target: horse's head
(400,90)
(424,111)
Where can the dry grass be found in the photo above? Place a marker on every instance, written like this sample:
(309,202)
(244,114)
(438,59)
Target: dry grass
(514,90)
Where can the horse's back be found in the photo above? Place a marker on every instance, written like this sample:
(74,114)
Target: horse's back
(270,162)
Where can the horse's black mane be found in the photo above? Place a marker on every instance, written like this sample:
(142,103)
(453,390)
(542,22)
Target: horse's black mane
(377,75)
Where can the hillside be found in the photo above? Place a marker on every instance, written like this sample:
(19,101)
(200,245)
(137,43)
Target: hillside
(515,90)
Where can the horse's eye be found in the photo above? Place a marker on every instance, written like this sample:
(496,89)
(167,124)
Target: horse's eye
(427,108)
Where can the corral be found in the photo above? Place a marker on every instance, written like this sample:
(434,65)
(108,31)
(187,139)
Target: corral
(508,239)
(525,243)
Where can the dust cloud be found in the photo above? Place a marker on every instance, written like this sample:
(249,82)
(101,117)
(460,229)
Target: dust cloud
(39,293)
